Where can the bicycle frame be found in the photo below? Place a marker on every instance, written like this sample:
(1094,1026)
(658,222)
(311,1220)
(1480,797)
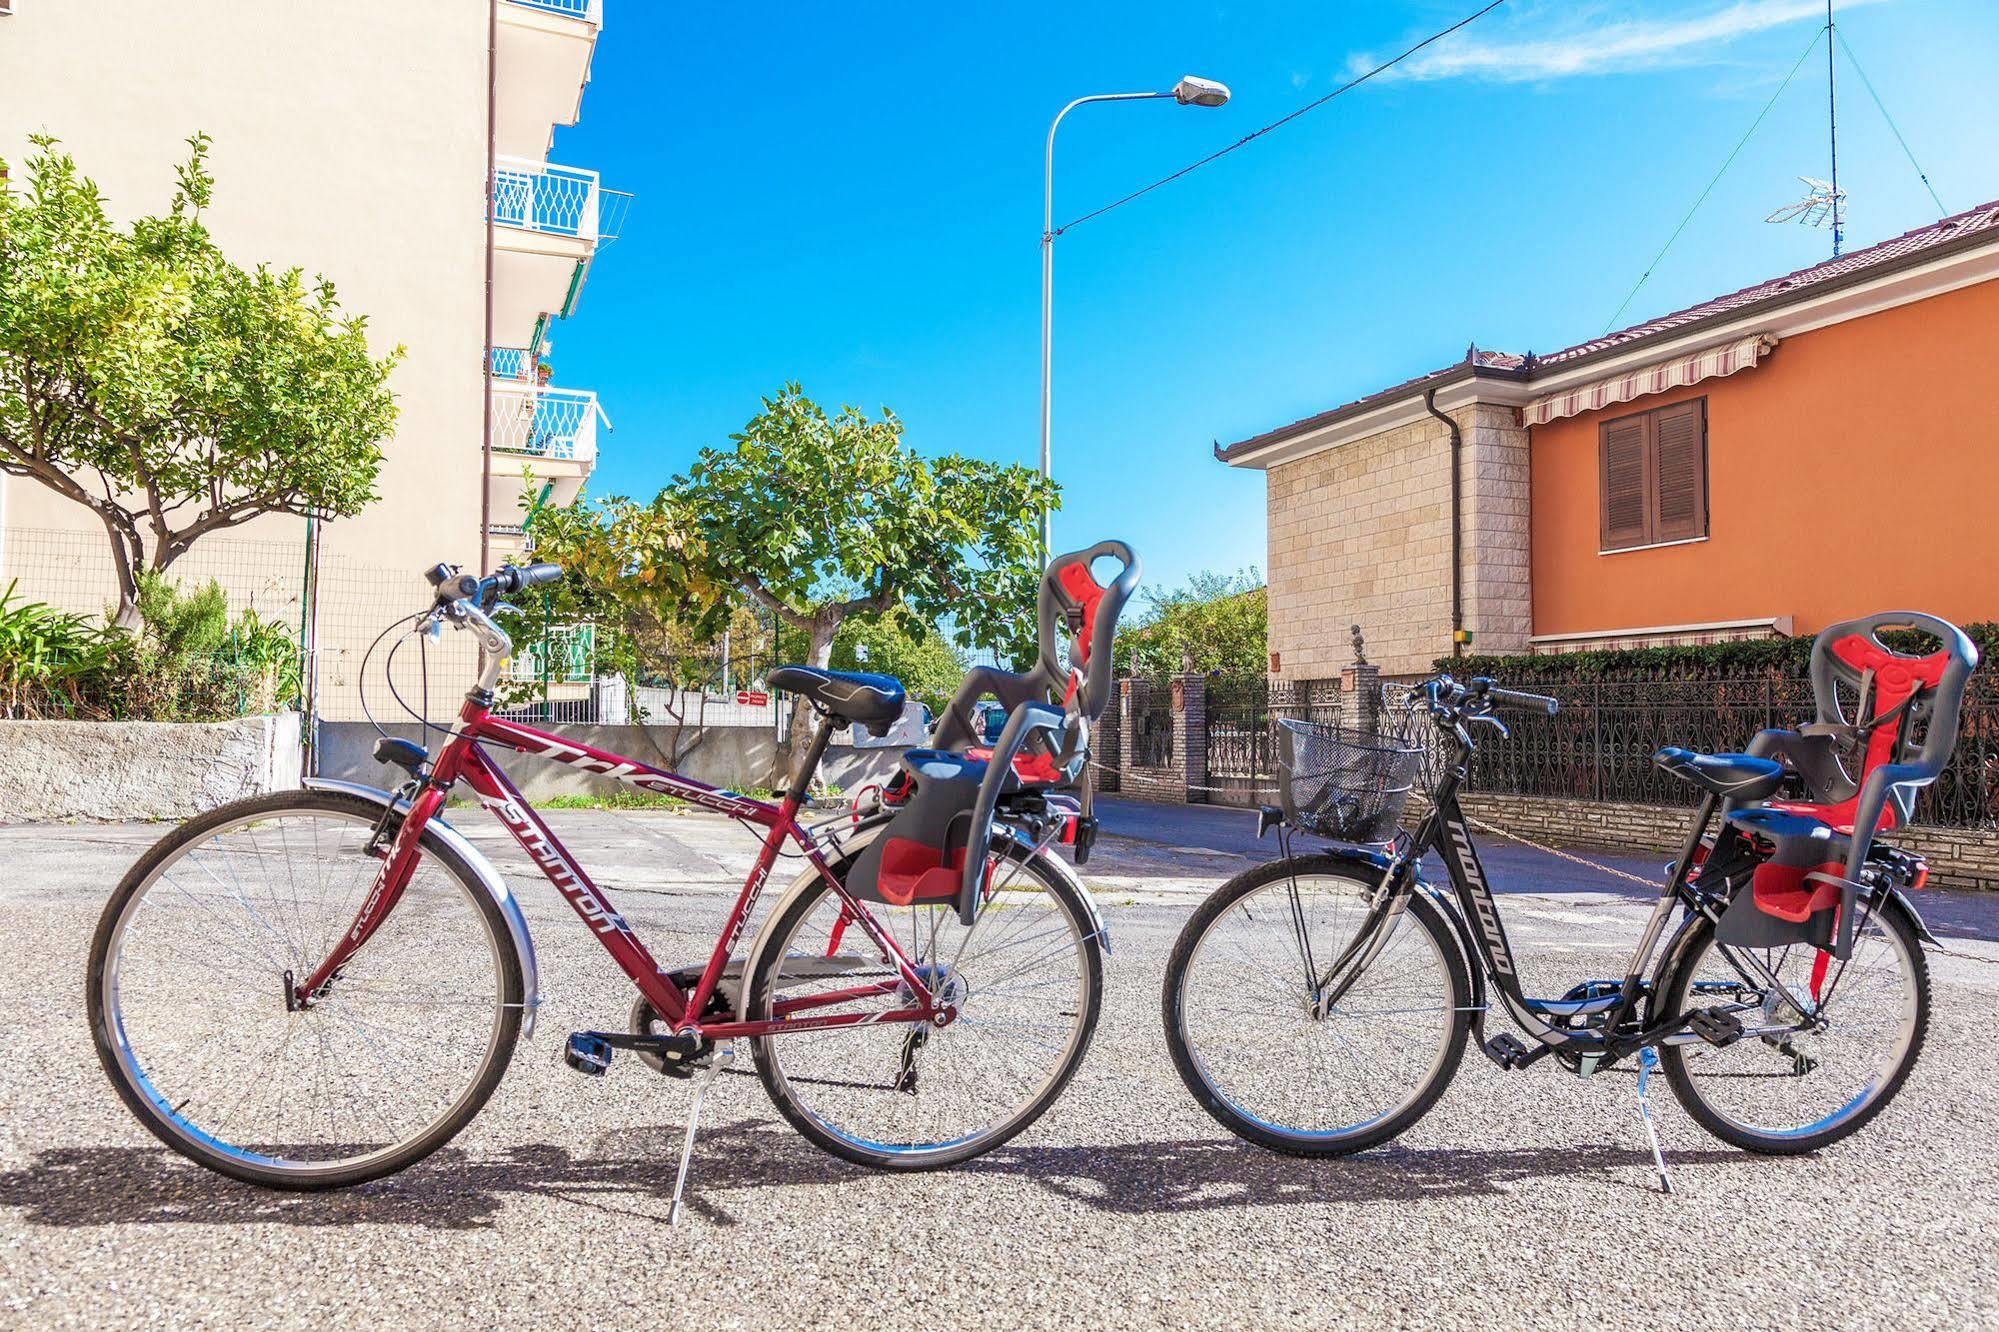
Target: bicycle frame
(464,759)
(1490,953)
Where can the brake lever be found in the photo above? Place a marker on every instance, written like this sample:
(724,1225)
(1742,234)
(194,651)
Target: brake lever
(1493,722)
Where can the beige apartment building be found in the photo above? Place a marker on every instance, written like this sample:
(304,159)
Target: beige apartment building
(355,140)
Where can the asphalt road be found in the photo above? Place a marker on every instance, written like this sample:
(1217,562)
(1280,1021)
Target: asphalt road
(1523,1200)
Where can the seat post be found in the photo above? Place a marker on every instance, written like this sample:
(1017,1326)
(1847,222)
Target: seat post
(821,738)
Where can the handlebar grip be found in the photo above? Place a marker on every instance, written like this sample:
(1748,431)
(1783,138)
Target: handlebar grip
(1514,698)
(537,574)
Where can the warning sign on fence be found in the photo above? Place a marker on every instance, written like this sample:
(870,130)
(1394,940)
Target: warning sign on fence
(753,698)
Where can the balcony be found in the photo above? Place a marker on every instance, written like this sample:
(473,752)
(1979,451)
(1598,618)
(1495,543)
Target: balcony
(548,221)
(546,434)
(543,65)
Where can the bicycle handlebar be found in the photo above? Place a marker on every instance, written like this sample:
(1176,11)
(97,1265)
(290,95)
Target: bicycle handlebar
(1478,696)
(1514,698)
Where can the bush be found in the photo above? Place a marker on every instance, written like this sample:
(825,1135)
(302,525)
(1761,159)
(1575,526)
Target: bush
(1779,658)
(49,659)
(187,661)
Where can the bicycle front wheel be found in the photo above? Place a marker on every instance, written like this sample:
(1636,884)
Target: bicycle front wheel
(195,958)
(1026,979)
(1244,1026)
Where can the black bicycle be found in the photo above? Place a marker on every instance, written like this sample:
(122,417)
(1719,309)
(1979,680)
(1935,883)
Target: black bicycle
(1320,1004)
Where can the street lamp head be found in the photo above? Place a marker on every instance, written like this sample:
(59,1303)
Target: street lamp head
(1191,91)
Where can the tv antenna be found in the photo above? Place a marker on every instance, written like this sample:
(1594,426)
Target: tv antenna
(1824,201)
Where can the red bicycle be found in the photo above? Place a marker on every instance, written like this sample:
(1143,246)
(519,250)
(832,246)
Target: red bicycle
(315,988)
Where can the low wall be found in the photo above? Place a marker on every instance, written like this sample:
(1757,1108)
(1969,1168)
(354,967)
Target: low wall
(141,770)
(730,756)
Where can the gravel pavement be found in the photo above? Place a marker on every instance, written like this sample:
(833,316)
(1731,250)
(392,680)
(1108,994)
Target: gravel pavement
(1523,1200)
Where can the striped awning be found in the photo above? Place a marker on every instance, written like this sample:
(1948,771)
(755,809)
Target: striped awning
(1723,360)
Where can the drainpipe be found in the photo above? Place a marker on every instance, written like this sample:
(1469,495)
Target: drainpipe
(486,358)
(1457,524)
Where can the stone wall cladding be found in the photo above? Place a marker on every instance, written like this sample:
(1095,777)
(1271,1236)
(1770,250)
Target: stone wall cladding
(1360,534)
(63,770)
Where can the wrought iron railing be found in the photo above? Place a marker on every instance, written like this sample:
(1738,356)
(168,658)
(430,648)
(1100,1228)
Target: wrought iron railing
(1150,743)
(590,11)
(545,422)
(1600,746)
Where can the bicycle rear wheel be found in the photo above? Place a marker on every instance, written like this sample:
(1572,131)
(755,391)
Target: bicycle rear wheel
(1239,1001)
(1825,1069)
(197,952)
(1026,978)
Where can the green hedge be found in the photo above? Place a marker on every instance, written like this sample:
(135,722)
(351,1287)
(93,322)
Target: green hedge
(1785,658)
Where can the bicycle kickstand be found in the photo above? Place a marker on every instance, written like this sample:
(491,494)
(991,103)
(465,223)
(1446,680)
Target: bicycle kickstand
(1648,1059)
(723,1058)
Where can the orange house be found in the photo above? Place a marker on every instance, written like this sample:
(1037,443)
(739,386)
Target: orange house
(1808,449)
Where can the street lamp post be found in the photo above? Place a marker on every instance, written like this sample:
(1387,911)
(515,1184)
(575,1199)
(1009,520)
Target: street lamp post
(1189,91)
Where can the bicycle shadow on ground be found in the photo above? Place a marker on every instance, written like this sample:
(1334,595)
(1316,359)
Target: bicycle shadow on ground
(632,1173)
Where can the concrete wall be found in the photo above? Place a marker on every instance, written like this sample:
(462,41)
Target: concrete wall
(141,770)
(731,756)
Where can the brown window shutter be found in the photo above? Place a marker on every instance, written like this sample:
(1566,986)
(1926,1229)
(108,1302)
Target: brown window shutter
(1680,466)
(1621,476)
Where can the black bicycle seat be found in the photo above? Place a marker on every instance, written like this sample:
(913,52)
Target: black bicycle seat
(1730,776)
(853,695)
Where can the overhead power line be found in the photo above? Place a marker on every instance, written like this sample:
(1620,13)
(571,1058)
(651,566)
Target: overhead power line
(1730,161)
(1893,129)
(1250,138)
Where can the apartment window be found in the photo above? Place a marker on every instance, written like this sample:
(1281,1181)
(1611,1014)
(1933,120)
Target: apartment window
(1652,476)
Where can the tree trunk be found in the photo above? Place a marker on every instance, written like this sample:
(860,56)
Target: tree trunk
(819,652)
(128,558)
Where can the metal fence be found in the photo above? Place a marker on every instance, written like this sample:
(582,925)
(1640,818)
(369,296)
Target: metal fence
(1600,746)
(1242,714)
(1150,741)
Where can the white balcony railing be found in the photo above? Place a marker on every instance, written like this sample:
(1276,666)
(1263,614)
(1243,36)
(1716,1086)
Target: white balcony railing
(545,422)
(511,363)
(559,200)
(590,11)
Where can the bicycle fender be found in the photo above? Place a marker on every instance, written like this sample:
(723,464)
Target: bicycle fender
(1070,879)
(1669,960)
(809,879)
(482,869)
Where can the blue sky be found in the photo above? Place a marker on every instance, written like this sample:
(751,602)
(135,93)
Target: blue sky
(849,196)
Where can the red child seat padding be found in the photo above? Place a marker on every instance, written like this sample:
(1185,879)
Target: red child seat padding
(1034,769)
(1082,587)
(1783,891)
(1895,680)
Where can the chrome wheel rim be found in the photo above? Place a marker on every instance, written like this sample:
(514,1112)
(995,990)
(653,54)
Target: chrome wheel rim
(193,996)
(1246,1016)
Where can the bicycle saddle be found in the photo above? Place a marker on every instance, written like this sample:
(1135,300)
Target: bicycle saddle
(1730,776)
(853,696)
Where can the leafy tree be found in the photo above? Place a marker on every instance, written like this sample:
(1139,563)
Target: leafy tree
(918,654)
(167,390)
(1217,622)
(820,518)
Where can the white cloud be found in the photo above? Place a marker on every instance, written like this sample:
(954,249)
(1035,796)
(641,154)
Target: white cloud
(1592,41)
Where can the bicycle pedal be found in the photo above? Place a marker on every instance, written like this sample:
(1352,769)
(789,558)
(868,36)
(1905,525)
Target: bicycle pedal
(1509,1051)
(1716,1026)
(587,1054)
